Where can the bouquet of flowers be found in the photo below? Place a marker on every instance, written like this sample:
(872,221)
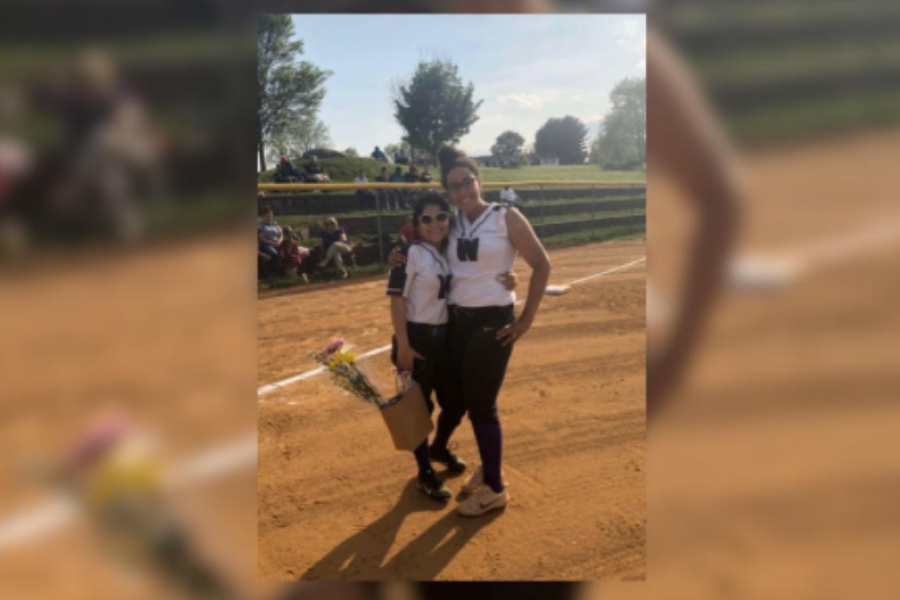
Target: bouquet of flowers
(346,373)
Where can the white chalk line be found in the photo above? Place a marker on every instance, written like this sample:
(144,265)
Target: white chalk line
(780,268)
(35,523)
(54,514)
(266,389)
(285,382)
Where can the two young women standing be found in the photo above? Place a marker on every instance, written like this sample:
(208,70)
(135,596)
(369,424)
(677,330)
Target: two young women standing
(456,284)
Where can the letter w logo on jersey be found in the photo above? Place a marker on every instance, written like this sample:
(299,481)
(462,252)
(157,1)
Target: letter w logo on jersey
(467,250)
(445,286)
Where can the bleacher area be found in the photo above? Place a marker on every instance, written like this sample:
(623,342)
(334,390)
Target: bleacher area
(786,69)
(559,215)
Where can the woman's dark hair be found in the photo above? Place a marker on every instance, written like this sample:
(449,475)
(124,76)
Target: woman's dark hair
(451,158)
(432,199)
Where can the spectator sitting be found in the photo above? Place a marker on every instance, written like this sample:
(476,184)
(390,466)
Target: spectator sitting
(411,176)
(408,232)
(361,193)
(286,172)
(377,154)
(397,177)
(386,194)
(507,194)
(315,172)
(335,245)
(292,254)
(425,177)
(269,233)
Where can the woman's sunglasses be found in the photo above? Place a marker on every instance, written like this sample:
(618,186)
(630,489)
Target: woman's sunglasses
(440,217)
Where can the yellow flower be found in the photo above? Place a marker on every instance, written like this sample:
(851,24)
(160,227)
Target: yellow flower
(349,357)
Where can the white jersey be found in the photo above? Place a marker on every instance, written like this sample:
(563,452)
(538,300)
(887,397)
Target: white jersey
(425,282)
(478,253)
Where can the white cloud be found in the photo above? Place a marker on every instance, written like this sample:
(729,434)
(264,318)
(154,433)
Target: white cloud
(631,35)
(523,100)
(577,97)
(641,66)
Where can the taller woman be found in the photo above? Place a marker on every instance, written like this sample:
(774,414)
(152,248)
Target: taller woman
(483,326)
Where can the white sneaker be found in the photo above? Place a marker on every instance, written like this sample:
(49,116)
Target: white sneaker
(482,501)
(476,481)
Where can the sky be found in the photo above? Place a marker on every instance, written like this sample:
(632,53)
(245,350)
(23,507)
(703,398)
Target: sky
(526,69)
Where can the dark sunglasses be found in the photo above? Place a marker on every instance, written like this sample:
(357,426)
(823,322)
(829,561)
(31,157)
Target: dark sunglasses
(426,219)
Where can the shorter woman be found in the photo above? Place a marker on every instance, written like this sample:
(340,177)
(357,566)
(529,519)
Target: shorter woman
(419,292)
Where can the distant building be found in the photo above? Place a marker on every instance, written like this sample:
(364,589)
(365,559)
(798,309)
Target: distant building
(508,162)
(489,161)
(536,160)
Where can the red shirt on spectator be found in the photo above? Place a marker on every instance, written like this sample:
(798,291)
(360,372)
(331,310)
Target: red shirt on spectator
(291,253)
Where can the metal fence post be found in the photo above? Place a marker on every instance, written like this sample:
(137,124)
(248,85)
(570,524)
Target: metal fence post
(541,195)
(378,221)
(593,210)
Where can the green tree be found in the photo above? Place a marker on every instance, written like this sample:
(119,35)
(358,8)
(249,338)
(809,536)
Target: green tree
(622,142)
(287,90)
(435,107)
(351,152)
(298,137)
(563,138)
(509,144)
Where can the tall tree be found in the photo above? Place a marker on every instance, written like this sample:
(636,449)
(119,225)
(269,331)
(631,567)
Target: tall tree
(563,138)
(287,90)
(351,152)
(622,143)
(509,145)
(435,107)
(298,137)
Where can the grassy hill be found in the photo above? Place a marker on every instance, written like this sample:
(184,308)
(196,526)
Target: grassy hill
(343,170)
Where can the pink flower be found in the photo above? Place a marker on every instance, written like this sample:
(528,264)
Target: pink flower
(333,346)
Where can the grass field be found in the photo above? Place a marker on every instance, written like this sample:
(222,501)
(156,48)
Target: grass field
(343,170)
(560,173)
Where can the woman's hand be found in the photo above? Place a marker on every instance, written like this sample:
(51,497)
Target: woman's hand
(509,280)
(406,358)
(512,332)
(396,259)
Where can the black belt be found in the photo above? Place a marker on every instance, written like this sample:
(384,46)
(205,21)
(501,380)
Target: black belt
(426,329)
(481,312)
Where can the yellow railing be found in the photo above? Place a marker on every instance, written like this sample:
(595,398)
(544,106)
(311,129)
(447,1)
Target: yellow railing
(306,187)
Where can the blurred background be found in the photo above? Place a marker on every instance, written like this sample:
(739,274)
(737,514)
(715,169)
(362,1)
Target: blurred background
(126,150)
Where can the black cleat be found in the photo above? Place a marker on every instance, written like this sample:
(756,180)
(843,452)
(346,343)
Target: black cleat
(446,457)
(433,487)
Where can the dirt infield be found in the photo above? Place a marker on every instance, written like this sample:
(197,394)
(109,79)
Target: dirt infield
(336,501)
(775,473)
